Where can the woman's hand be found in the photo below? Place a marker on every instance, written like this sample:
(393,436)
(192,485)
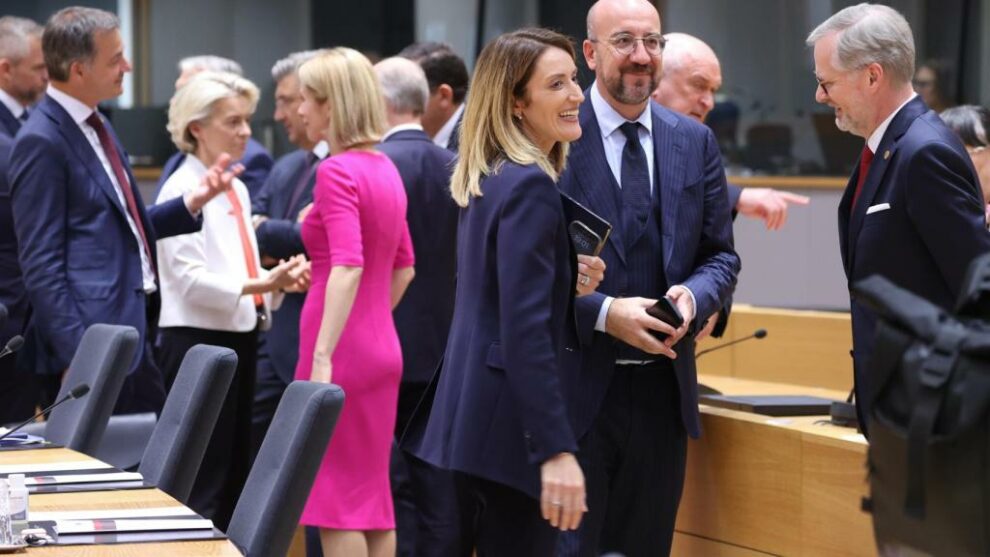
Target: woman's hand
(288,273)
(562,500)
(591,272)
(304,280)
(304,212)
(322,368)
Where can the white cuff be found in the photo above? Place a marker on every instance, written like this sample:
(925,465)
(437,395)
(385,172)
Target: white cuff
(603,314)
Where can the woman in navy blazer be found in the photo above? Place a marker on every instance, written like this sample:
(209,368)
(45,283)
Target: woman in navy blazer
(500,419)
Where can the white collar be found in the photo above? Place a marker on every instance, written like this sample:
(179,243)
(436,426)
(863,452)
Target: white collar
(442,138)
(77,109)
(404,127)
(321,149)
(12,104)
(874,141)
(609,120)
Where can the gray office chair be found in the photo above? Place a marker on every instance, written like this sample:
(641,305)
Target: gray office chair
(176,448)
(268,511)
(101,361)
(125,439)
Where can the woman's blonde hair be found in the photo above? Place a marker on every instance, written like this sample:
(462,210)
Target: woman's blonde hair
(489,134)
(193,102)
(344,78)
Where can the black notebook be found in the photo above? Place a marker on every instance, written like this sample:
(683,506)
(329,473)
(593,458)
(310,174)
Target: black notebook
(588,231)
(771,405)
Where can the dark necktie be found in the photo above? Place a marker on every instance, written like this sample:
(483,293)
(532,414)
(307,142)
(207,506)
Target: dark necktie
(635,181)
(864,168)
(304,177)
(110,149)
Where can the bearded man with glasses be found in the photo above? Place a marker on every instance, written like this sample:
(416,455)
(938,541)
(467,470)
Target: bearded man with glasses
(657,177)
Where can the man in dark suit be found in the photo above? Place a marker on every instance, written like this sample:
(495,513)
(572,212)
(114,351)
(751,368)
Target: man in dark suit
(691,77)
(913,210)
(657,177)
(448,78)
(275,210)
(23,79)
(257,161)
(86,241)
(425,505)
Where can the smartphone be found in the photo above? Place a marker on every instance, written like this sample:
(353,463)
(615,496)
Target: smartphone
(586,241)
(665,311)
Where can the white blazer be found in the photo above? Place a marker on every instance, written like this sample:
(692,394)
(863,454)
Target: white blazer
(201,275)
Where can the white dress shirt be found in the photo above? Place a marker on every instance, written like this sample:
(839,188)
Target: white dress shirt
(442,138)
(404,127)
(12,104)
(202,274)
(78,111)
(877,136)
(614,141)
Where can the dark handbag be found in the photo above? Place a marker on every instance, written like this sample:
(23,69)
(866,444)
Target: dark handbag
(929,454)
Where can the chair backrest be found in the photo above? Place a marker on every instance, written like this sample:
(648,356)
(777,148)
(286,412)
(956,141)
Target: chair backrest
(175,450)
(268,511)
(101,361)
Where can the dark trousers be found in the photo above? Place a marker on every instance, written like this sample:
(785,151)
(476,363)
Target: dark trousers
(22,391)
(226,463)
(633,460)
(426,514)
(268,390)
(144,389)
(498,520)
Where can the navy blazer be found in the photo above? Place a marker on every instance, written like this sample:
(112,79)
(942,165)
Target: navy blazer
(256,160)
(934,226)
(697,243)
(79,257)
(12,293)
(500,408)
(280,237)
(8,123)
(422,318)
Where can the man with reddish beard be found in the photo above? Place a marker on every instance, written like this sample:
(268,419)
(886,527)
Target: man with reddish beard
(657,177)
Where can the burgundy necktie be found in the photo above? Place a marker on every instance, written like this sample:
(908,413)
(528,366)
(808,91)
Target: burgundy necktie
(125,185)
(864,168)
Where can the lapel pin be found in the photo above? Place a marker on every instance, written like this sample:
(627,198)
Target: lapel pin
(886,154)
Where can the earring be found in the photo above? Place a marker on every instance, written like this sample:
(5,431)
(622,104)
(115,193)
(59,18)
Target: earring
(518,116)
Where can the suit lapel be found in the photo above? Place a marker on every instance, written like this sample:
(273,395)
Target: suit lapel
(10,124)
(886,152)
(844,204)
(83,150)
(669,167)
(592,173)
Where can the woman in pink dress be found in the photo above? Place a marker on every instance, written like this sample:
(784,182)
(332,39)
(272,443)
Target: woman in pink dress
(358,241)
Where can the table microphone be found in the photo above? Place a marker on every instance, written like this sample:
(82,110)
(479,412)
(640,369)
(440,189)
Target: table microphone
(13,345)
(759,333)
(78,391)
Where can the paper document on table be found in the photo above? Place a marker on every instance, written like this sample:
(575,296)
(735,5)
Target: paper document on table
(130,525)
(154,512)
(6,469)
(83,478)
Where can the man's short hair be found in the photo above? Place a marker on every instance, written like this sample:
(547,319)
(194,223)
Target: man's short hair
(871,33)
(441,65)
(404,85)
(15,32)
(290,64)
(210,63)
(68,38)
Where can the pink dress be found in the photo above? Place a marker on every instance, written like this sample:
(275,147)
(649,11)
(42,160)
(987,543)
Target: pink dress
(358,220)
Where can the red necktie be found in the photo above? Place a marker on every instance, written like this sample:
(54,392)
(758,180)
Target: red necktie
(249,259)
(864,168)
(110,149)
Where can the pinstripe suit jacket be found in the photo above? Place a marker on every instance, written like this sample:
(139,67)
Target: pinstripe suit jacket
(696,228)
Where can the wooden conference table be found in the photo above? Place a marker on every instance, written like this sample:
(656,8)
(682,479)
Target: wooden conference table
(108,500)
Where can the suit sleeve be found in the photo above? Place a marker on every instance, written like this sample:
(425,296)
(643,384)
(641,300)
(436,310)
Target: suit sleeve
(39,197)
(716,263)
(525,254)
(735,192)
(947,210)
(172,218)
(587,309)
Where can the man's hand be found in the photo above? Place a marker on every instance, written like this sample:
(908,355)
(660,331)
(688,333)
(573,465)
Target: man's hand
(303,281)
(562,497)
(685,304)
(768,204)
(628,321)
(218,179)
(708,328)
(591,272)
(288,273)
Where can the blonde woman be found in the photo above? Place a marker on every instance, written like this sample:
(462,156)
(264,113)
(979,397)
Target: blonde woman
(213,289)
(357,238)
(501,419)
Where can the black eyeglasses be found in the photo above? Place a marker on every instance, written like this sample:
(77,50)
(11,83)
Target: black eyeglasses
(625,43)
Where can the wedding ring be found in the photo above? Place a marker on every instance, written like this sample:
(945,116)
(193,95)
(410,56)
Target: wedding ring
(556,503)
(585,279)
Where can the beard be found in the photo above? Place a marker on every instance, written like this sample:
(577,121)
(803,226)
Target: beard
(634,94)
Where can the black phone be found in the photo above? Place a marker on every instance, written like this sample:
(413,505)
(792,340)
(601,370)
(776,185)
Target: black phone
(665,311)
(586,241)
